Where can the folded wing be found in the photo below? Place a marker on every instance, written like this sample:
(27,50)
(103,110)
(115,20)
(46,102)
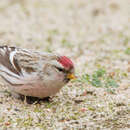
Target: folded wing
(16,65)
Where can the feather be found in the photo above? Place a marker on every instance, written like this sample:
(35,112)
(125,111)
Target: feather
(66,62)
(10,69)
(20,66)
(5,59)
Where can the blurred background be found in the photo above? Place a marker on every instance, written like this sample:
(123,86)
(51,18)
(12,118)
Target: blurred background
(84,30)
(95,34)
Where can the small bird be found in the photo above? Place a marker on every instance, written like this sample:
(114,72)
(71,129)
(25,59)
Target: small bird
(33,73)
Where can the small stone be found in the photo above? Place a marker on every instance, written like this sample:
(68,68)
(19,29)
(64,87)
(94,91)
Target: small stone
(16,109)
(7,123)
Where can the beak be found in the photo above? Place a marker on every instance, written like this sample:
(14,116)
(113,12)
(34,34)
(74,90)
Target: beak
(71,76)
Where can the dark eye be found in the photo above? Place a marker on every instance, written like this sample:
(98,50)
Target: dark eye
(60,69)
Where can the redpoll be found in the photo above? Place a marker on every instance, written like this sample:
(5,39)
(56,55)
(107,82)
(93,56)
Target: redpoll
(33,73)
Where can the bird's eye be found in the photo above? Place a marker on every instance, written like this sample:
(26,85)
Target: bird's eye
(60,69)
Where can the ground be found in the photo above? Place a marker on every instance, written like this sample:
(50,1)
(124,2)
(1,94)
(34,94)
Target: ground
(96,36)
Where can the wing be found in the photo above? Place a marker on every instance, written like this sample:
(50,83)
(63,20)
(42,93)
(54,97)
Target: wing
(6,61)
(21,66)
(17,66)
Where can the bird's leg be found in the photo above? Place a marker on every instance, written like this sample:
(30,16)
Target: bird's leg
(29,99)
(18,96)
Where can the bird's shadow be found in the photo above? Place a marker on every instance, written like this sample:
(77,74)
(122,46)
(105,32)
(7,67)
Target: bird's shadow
(28,99)
(34,100)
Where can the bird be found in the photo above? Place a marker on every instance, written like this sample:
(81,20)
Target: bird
(33,73)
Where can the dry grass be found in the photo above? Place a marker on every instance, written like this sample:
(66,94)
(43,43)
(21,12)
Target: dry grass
(96,35)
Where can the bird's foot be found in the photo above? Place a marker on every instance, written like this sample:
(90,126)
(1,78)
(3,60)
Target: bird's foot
(29,99)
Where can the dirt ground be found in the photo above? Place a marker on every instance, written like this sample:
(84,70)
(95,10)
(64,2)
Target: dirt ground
(96,36)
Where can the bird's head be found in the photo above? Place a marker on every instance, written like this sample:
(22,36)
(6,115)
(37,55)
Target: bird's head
(66,67)
(60,69)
